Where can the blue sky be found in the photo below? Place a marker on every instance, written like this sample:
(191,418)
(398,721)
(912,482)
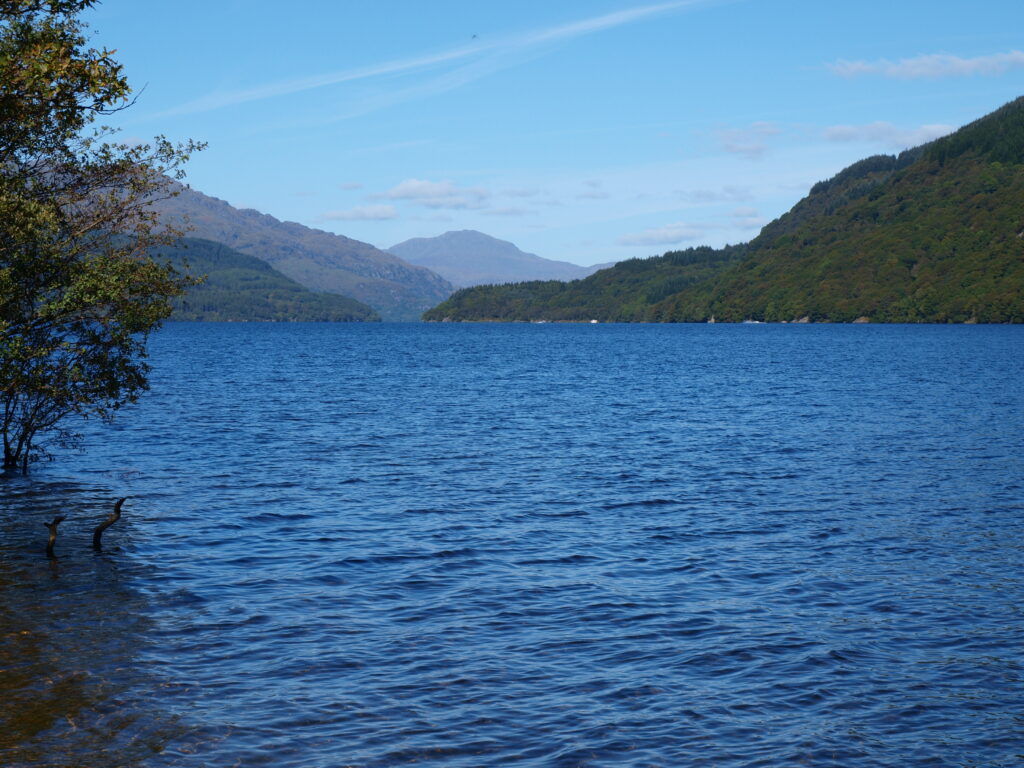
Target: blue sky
(584,131)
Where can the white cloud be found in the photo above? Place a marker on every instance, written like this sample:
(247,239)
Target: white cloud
(219,99)
(593,191)
(887,134)
(749,142)
(746,217)
(932,66)
(729,193)
(668,235)
(522,192)
(438,194)
(599,23)
(363,213)
(509,211)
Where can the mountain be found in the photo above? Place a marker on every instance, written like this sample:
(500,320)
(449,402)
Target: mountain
(935,234)
(240,287)
(318,260)
(472,258)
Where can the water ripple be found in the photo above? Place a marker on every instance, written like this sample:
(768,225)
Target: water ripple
(533,545)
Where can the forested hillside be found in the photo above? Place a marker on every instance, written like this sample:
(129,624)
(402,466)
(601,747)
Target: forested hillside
(933,235)
(240,287)
(625,292)
(318,260)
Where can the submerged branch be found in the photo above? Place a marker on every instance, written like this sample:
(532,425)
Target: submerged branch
(112,518)
(52,526)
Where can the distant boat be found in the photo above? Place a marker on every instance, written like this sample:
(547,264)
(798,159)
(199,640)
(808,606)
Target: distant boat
(592,322)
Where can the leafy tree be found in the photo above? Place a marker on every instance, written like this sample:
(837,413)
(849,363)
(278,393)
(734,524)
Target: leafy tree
(78,294)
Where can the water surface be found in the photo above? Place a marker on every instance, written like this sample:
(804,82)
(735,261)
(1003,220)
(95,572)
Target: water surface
(532,545)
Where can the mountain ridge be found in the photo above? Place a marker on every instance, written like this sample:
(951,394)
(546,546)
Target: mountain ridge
(934,234)
(238,288)
(468,257)
(319,260)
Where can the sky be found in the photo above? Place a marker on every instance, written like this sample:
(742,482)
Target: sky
(587,131)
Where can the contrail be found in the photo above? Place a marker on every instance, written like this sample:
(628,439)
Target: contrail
(220,99)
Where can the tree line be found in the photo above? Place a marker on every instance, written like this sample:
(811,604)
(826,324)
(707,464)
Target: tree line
(934,234)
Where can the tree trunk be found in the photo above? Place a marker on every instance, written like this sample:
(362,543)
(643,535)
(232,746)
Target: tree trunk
(16,455)
(16,459)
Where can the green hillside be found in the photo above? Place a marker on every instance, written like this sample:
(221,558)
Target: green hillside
(624,292)
(321,261)
(933,235)
(240,287)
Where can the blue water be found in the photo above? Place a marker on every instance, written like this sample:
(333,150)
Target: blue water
(532,545)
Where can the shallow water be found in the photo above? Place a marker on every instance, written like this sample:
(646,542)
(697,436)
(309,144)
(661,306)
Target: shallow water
(532,545)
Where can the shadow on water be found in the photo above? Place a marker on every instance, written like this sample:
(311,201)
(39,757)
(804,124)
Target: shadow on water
(72,630)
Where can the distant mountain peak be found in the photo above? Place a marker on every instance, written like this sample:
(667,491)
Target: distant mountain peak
(468,257)
(319,260)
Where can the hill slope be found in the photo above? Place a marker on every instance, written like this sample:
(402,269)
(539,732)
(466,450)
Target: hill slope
(469,257)
(623,293)
(321,261)
(933,235)
(240,287)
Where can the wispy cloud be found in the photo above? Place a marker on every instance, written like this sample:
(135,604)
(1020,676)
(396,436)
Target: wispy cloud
(438,194)
(509,211)
(594,191)
(522,192)
(932,66)
(887,134)
(447,81)
(749,142)
(728,193)
(667,235)
(746,217)
(512,44)
(220,99)
(363,213)
(599,23)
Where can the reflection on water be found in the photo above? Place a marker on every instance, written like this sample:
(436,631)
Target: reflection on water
(70,634)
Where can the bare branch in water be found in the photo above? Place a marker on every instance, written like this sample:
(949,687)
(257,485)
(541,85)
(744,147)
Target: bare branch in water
(112,518)
(53,534)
